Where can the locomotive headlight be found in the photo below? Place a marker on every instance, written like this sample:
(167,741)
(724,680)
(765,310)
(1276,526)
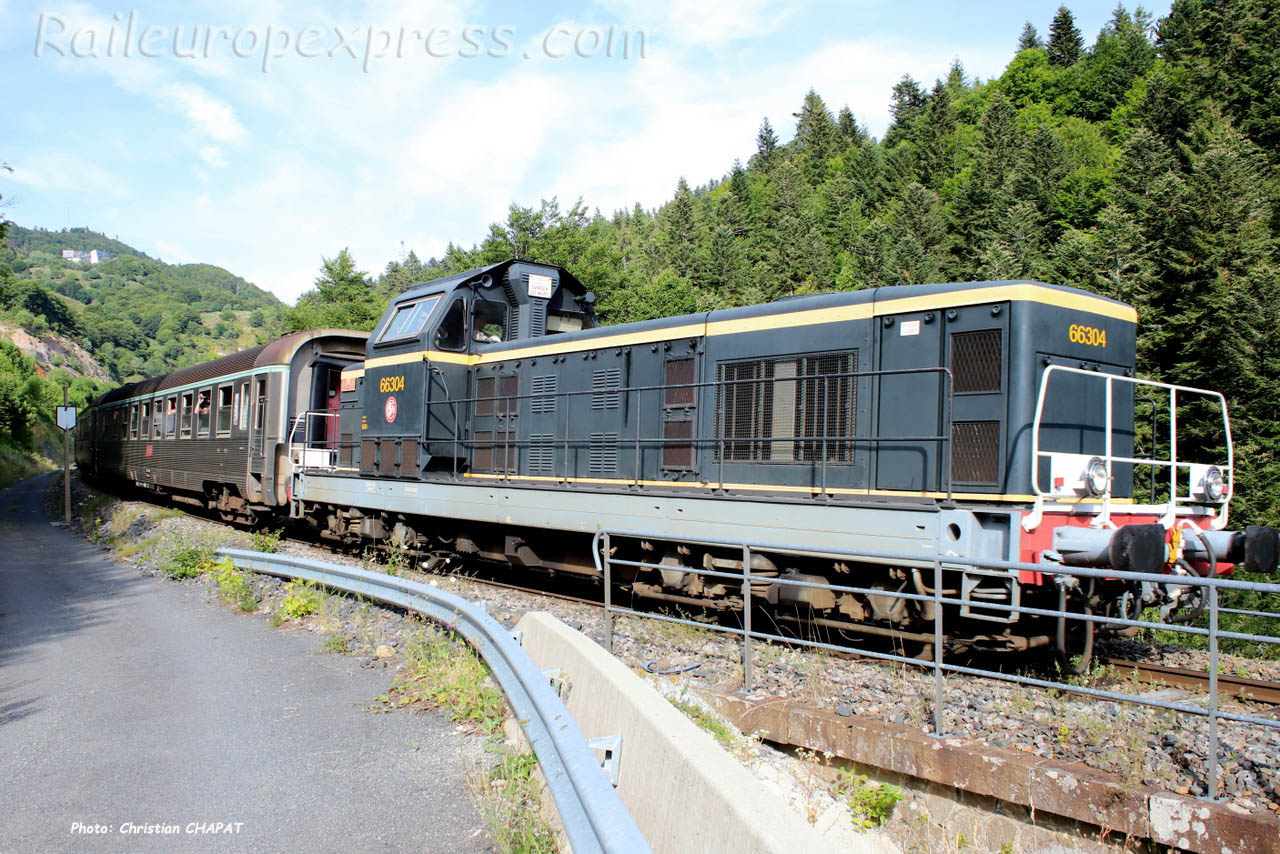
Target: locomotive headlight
(1095,476)
(1214,484)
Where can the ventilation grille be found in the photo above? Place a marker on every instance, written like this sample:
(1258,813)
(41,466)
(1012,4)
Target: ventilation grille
(975,452)
(542,453)
(677,454)
(387,457)
(604,385)
(485,387)
(679,373)
(543,390)
(508,393)
(409,458)
(603,457)
(494,450)
(975,361)
(789,410)
(368,450)
(346,449)
(537,318)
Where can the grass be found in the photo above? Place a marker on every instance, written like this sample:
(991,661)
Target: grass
(508,797)
(128,550)
(16,465)
(714,724)
(442,672)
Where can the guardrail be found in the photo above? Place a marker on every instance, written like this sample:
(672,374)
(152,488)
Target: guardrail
(593,816)
(934,599)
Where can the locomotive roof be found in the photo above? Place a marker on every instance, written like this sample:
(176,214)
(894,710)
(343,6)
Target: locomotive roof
(449,283)
(819,308)
(277,352)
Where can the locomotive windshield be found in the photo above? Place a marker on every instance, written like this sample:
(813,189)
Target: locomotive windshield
(408,319)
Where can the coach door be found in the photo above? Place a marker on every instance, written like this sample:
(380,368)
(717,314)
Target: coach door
(258,425)
(910,416)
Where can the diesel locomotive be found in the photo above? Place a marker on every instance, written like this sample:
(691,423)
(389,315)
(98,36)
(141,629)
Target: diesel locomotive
(489,415)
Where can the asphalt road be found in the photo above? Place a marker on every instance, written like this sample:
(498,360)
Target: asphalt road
(127,700)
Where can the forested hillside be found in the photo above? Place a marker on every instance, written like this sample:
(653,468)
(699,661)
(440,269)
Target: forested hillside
(1141,166)
(137,316)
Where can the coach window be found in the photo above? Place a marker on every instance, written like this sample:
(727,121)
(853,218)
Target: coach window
(224,410)
(157,413)
(144,423)
(115,423)
(243,416)
(260,416)
(171,417)
(204,412)
(488,321)
(452,334)
(186,415)
(133,421)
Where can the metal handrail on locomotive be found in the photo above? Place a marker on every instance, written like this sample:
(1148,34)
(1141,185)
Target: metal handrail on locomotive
(492,417)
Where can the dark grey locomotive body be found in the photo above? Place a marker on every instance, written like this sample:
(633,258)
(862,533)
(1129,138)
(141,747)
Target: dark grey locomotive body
(918,391)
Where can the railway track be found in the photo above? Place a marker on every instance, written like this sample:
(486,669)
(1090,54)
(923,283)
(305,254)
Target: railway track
(1256,690)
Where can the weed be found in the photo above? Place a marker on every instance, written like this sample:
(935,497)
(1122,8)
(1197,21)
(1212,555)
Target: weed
(962,842)
(300,599)
(871,803)
(233,585)
(441,672)
(338,645)
(188,562)
(266,541)
(1006,848)
(508,797)
(708,721)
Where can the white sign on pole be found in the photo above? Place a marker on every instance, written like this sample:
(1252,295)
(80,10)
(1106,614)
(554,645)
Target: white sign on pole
(67,417)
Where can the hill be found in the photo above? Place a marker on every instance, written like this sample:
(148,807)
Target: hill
(136,315)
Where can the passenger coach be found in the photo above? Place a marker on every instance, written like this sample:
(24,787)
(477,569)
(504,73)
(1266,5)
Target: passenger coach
(216,434)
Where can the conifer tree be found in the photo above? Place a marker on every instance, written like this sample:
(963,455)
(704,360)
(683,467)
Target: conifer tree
(906,105)
(1065,46)
(766,145)
(1029,39)
(816,137)
(679,233)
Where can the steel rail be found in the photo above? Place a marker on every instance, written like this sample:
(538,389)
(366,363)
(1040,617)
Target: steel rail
(1257,690)
(593,815)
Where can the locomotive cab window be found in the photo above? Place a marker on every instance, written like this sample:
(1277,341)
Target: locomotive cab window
(488,321)
(408,320)
(452,332)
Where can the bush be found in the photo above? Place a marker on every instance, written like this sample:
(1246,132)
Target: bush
(266,541)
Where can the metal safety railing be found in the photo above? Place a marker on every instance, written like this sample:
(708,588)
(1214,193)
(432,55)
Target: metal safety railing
(311,453)
(1109,458)
(593,816)
(935,600)
(821,447)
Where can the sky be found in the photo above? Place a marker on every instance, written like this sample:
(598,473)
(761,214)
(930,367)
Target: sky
(265,136)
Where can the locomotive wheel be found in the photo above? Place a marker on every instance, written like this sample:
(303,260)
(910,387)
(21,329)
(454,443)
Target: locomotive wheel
(1074,641)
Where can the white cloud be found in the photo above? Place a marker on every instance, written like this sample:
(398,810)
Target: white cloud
(211,116)
(213,155)
(706,23)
